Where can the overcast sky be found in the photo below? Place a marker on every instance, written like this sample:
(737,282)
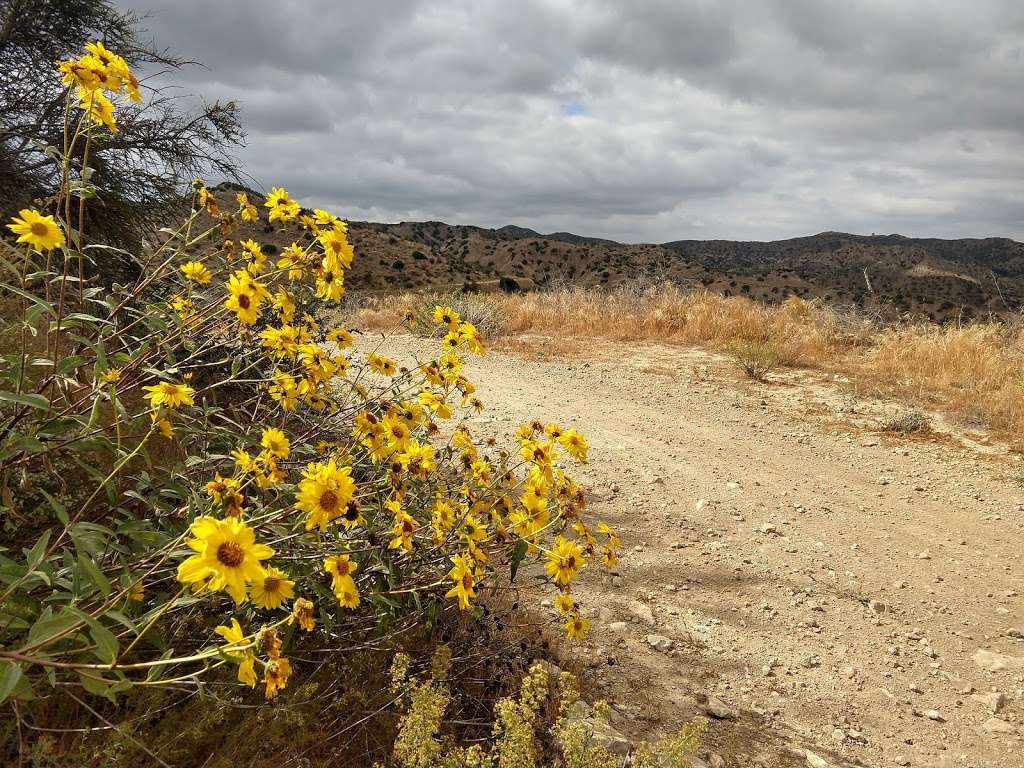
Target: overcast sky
(646,120)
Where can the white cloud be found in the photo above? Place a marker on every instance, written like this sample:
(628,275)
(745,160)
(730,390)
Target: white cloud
(651,120)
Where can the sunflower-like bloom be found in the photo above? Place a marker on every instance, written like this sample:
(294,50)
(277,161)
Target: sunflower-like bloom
(273,589)
(303,612)
(565,604)
(574,444)
(276,676)
(446,316)
(385,366)
(337,248)
(347,593)
(197,272)
(248,210)
(330,279)
(462,574)
(274,440)
(576,627)
(99,108)
(282,207)
(227,557)
(324,493)
(341,569)
(403,529)
(563,561)
(170,394)
(234,636)
(40,232)
(244,297)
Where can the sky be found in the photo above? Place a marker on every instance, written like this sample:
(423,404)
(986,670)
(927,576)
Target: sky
(641,121)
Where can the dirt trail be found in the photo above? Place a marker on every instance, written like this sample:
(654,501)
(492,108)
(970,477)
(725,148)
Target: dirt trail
(828,587)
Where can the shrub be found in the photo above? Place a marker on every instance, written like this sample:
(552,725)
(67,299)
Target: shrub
(478,309)
(755,358)
(907,421)
(241,479)
(522,735)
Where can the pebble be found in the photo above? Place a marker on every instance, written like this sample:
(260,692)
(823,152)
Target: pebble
(719,710)
(993,702)
(659,643)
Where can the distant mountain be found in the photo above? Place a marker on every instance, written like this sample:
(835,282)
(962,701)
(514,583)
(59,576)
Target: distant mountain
(889,274)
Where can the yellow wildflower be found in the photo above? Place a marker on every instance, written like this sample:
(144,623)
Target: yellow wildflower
(197,272)
(40,232)
(227,557)
(170,394)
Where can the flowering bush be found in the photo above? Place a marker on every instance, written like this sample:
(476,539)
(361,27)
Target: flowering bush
(199,468)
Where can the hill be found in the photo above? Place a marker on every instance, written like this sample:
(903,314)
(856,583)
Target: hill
(889,274)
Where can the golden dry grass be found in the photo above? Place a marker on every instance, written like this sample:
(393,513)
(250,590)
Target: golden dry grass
(973,371)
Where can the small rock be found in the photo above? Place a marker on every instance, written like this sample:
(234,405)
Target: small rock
(816,761)
(997,662)
(719,710)
(699,506)
(901,760)
(878,607)
(993,702)
(1017,632)
(642,611)
(608,737)
(715,760)
(769,529)
(934,714)
(618,626)
(659,643)
(995,725)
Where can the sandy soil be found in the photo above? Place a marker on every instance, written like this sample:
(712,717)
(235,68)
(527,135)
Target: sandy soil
(801,578)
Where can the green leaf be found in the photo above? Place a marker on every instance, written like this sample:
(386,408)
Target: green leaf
(93,683)
(59,509)
(106,644)
(25,398)
(34,556)
(85,318)
(49,626)
(10,674)
(518,553)
(30,297)
(94,573)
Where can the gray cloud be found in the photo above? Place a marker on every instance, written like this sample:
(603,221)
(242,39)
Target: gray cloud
(644,121)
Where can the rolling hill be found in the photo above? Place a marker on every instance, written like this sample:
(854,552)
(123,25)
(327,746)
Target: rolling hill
(891,275)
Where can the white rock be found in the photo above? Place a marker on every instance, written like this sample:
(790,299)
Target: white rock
(816,761)
(997,662)
(659,643)
(993,702)
(995,725)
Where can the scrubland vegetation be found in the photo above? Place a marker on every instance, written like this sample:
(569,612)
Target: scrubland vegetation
(207,488)
(973,371)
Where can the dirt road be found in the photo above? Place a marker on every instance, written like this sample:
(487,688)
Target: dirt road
(829,587)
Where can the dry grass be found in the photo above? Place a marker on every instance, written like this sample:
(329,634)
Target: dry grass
(974,371)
